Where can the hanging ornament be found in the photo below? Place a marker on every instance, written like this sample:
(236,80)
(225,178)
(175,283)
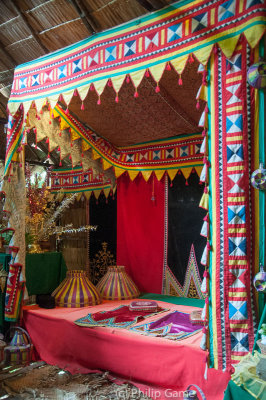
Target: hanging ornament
(259,280)
(256,75)
(258,178)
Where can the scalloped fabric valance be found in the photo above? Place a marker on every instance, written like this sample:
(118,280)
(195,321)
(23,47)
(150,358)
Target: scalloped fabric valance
(171,35)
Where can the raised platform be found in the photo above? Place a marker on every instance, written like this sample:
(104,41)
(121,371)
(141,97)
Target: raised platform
(152,361)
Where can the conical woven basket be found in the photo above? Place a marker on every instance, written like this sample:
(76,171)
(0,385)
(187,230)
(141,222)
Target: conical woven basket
(76,290)
(116,284)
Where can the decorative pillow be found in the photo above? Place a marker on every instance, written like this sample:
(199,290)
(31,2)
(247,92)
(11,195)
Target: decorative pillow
(149,306)
(195,317)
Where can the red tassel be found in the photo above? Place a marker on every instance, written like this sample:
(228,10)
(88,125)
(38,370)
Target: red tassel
(208,246)
(198,105)
(70,157)
(48,155)
(147,73)
(38,117)
(58,148)
(99,101)
(9,179)
(157,89)
(59,119)
(75,92)
(41,112)
(82,155)
(187,183)
(171,184)
(207,300)
(203,133)
(81,164)
(110,84)
(60,133)
(82,106)
(92,87)
(168,67)
(116,99)
(128,79)
(47,140)
(204,78)
(71,144)
(206,218)
(190,59)
(67,111)
(215,49)
(205,189)
(180,82)
(60,164)
(206,109)
(136,94)
(50,122)
(206,274)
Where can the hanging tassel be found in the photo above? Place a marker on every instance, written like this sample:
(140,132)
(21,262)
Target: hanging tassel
(198,105)
(82,106)
(99,101)
(71,144)
(60,133)
(204,229)
(180,82)
(59,149)
(204,77)
(204,282)
(92,87)
(47,140)
(206,109)
(203,146)
(48,155)
(110,84)
(203,342)
(187,184)
(206,190)
(75,92)
(60,164)
(116,98)
(82,155)
(157,89)
(203,260)
(136,94)
(127,79)
(204,311)
(190,59)
(50,122)
(168,67)
(215,49)
(171,184)
(203,174)
(147,74)
(67,111)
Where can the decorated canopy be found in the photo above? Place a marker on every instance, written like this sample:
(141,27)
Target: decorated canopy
(222,37)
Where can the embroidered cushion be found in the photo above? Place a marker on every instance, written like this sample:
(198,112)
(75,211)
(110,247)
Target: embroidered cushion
(149,306)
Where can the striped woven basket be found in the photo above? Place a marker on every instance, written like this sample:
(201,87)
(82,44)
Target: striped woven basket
(116,284)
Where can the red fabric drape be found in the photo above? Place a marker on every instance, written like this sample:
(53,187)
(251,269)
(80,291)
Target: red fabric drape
(140,230)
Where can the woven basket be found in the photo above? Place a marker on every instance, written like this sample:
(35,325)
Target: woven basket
(19,350)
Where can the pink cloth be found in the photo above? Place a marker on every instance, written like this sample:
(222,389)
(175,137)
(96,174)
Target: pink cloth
(149,360)
(140,231)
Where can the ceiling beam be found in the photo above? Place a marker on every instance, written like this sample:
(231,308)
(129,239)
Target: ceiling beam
(157,4)
(84,16)
(32,31)
(145,4)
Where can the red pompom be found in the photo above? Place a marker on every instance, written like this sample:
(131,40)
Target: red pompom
(99,101)
(147,74)
(157,89)
(180,82)
(82,106)
(136,94)
(168,67)
(198,105)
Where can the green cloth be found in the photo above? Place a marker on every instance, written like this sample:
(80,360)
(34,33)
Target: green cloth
(184,301)
(44,272)
(235,392)
(4,260)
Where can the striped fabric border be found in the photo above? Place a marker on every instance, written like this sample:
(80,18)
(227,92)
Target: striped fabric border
(169,35)
(232,328)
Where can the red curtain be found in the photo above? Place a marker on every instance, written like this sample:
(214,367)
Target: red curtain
(140,230)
